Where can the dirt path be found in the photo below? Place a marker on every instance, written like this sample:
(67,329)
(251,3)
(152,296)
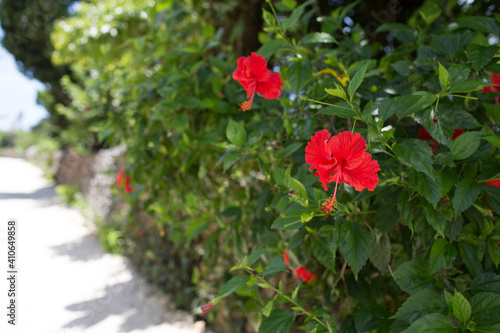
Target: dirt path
(65,282)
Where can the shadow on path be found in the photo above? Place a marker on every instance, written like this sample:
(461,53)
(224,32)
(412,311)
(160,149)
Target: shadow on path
(84,249)
(46,195)
(116,300)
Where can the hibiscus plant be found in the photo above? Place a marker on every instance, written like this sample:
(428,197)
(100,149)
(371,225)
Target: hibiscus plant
(326,181)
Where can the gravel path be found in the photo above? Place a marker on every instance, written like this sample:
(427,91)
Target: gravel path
(66,283)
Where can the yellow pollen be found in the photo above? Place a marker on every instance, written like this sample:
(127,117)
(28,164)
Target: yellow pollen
(329,205)
(247,105)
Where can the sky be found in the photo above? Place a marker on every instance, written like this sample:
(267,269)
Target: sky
(17,95)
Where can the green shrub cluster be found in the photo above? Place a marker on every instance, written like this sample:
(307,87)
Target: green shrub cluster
(228,196)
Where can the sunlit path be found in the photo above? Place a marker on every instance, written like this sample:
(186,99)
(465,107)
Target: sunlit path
(66,283)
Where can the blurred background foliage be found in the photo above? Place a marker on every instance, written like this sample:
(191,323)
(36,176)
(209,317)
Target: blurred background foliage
(210,181)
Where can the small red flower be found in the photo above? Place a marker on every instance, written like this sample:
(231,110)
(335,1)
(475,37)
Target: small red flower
(496,80)
(252,73)
(341,158)
(304,274)
(124,183)
(286,259)
(205,308)
(87,108)
(494,182)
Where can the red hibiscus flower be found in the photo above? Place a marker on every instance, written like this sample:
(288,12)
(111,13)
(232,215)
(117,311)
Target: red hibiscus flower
(124,183)
(286,259)
(494,182)
(205,308)
(496,80)
(304,274)
(341,158)
(253,75)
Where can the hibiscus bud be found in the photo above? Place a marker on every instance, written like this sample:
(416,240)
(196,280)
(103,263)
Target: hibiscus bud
(205,308)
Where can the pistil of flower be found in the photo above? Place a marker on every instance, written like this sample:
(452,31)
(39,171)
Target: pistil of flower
(247,105)
(331,204)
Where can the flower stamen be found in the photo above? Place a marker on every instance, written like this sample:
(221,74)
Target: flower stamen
(331,204)
(247,105)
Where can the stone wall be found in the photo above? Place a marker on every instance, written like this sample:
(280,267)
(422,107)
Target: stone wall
(94,174)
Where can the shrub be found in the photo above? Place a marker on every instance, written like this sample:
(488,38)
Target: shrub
(408,240)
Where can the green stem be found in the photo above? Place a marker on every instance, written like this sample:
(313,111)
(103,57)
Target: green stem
(264,284)
(462,96)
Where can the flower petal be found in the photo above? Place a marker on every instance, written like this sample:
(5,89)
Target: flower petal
(319,157)
(364,175)
(271,88)
(347,147)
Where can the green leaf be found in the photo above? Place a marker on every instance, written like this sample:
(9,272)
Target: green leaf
(268,18)
(405,108)
(404,209)
(480,23)
(296,14)
(461,307)
(368,319)
(323,252)
(444,78)
(318,37)
(230,159)
(355,244)
(402,105)
(380,253)
(291,148)
(465,145)
(485,308)
(413,276)
(342,110)
(460,72)
(266,310)
(431,323)
(287,223)
(298,74)
(430,13)
(357,80)
(470,258)
(254,256)
(235,283)
(449,44)
(442,254)
(493,197)
(274,266)
(492,243)
(493,111)
(278,321)
(280,176)
(433,217)
(466,86)
(442,132)
(480,56)
(417,154)
(485,282)
(298,187)
(493,139)
(428,188)
(465,195)
(338,92)
(270,47)
(236,133)
(420,304)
